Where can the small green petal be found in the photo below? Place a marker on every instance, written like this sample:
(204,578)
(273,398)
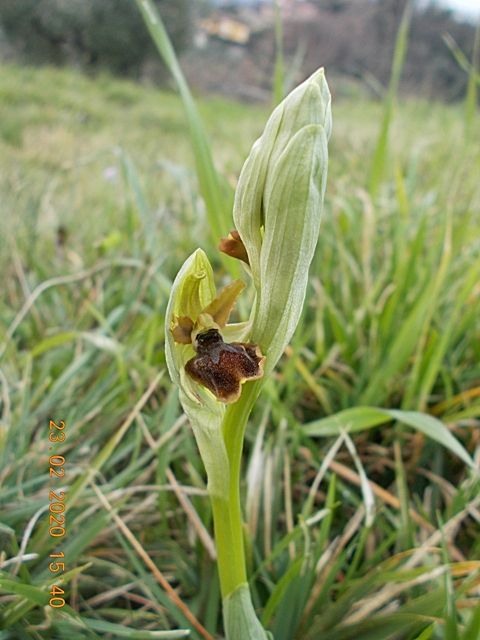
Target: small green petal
(221,307)
(192,290)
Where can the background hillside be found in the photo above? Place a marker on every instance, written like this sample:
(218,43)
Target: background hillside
(229,47)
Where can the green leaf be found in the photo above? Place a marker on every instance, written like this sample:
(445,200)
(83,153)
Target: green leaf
(121,631)
(361,418)
(350,420)
(435,430)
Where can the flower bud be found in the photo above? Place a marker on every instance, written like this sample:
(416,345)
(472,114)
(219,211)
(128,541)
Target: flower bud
(277,210)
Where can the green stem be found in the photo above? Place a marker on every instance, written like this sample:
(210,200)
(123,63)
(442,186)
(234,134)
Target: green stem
(227,512)
(229,543)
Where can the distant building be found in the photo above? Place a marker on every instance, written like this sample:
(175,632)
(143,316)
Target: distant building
(225,28)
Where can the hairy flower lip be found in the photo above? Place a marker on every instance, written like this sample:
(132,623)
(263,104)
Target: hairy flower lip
(222,367)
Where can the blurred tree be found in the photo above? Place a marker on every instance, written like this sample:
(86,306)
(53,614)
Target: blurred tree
(429,61)
(89,33)
(332,5)
(356,38)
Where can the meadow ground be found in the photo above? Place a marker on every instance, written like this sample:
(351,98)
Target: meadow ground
(99,208)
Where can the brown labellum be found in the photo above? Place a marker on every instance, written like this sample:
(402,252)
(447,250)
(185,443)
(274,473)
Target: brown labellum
(222,367)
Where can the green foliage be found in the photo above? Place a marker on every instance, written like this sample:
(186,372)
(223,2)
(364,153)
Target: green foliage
(90,34)
(101,206)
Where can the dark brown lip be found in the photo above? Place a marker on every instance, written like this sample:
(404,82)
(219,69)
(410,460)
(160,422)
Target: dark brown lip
(222,367)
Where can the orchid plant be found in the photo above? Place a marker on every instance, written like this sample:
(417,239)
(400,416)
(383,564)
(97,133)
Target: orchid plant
(220,367)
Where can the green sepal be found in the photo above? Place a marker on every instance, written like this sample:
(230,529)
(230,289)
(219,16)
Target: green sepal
(193,289)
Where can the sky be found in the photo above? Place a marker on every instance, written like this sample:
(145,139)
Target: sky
(470,7)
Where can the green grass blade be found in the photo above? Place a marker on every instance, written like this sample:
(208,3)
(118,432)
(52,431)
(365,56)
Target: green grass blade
(471,97)
(472,631)
(34,595)
(431,371)
(281,588)
(427,633)
(380,156)
(470,68)
(398,354)
(138,202)
(121,631)
(437,286)
(217,196)
(279,72)
(451,626)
